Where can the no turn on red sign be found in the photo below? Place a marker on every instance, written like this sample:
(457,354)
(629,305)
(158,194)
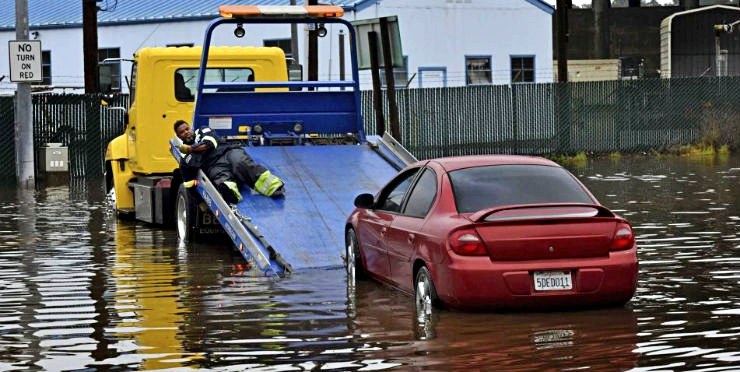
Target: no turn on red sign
(25,61)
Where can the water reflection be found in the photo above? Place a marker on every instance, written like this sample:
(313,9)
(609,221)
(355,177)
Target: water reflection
(83,290)
(595,339)
(146,274)
(686,216)
(48,310)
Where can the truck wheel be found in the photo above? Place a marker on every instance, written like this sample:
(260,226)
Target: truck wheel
(185,214)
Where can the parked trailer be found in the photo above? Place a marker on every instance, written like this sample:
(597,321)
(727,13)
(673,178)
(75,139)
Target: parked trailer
(309,133)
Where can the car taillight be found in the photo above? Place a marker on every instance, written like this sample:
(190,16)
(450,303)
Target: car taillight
(624,238)
(467,243)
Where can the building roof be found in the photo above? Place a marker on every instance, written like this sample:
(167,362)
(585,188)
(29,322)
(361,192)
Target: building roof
(668,21)
(68,13)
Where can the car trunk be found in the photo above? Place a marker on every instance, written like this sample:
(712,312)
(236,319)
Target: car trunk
(552,238)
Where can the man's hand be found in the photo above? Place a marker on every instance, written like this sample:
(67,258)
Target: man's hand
(185,149)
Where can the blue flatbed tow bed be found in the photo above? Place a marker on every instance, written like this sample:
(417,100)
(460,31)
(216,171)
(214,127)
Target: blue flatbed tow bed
(305,228)
(307,225)
(308,133)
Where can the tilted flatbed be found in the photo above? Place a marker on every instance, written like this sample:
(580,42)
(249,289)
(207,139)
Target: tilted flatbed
(308,133)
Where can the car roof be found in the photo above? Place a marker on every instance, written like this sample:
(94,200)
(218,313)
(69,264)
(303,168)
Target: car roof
(451,163)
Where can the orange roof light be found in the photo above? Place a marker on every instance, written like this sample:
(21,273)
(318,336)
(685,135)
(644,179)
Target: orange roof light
(277,11)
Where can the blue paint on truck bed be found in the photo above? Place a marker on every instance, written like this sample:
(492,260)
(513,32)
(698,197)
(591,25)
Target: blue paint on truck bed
(306,227)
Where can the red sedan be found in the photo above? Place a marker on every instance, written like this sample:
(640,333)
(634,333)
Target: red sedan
(492,232)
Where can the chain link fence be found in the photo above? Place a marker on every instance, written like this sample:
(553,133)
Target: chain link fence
(624,116)
(77,122)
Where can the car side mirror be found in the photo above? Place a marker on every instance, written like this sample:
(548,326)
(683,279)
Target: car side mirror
(365,201)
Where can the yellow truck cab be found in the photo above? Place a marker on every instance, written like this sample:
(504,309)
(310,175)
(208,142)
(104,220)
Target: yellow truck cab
(139,166)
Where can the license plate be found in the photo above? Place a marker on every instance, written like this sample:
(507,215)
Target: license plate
(552,280)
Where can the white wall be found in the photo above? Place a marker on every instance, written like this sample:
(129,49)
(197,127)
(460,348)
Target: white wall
(443,32)
(434,33)
(67,49)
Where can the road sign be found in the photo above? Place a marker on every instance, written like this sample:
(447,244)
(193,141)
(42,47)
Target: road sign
(25,61)
(362,27)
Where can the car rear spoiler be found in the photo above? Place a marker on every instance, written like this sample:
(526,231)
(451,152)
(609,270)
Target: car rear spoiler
(483,214)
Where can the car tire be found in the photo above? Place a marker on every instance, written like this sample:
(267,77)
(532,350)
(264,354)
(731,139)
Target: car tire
(186,214)
(353,260)
(425,295)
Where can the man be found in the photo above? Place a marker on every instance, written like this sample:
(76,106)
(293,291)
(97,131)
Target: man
(227,166)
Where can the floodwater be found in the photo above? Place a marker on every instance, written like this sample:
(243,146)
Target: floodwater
(81,290)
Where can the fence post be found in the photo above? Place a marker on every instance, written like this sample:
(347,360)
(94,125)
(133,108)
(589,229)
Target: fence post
(93,150)
(563,117)
(515,118)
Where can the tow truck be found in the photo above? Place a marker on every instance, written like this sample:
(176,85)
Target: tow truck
(309,133)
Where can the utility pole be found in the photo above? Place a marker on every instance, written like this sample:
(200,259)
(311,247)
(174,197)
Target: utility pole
(313,51)
(562,37)
(563,105)
(90,44)
(294,39)
(23,111)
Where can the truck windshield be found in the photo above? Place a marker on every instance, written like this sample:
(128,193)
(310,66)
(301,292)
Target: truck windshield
(186,79)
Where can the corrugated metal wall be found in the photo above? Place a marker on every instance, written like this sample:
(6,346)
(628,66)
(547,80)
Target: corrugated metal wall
(693,47)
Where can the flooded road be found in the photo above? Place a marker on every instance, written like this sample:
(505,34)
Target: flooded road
(81,290)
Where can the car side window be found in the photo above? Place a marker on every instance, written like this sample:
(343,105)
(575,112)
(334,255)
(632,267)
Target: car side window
(423,195)
(392,196)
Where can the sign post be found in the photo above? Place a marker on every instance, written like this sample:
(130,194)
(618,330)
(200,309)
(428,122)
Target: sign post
(23,105)
(25,61)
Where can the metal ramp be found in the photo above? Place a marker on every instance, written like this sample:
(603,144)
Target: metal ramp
(306,227)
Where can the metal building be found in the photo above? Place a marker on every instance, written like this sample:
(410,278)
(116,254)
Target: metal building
(691,45)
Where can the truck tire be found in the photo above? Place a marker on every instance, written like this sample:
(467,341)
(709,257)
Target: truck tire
(186,214)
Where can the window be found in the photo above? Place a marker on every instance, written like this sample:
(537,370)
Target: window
(432,77)
(478,188)
(283,44)
(181,45)
(46,67)
(186,80)
(107,53)
(391,199)
(522,69)
(477,70)
(423,195)
(134,74)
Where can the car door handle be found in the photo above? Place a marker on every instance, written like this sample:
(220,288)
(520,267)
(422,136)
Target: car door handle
(383,231)
(411,238)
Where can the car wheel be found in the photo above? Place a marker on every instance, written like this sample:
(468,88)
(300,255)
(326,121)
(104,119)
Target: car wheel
(353,259)
(185,215)
(425,293)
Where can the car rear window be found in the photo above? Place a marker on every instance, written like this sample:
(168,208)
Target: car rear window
(478,188)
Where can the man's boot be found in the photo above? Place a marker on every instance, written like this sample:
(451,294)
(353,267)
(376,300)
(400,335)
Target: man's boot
(269,185)
(230,191)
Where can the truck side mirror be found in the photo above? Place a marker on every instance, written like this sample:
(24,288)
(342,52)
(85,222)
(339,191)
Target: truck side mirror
(105,78)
